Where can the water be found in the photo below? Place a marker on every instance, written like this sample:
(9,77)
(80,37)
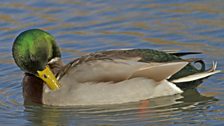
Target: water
(81,27)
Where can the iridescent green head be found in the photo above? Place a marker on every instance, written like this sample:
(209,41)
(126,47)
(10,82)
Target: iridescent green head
(33,49)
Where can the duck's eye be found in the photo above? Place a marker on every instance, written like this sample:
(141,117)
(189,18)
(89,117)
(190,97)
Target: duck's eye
(45,76)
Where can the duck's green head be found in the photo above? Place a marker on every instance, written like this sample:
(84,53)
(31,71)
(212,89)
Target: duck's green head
(32,50)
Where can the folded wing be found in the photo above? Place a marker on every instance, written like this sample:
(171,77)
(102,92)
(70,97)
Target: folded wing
(159,71)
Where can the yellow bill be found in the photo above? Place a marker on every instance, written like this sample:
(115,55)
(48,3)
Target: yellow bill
(48,77)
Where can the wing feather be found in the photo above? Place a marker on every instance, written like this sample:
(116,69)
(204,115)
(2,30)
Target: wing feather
(159,71)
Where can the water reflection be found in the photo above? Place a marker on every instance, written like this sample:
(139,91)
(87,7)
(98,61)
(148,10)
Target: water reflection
(163,110)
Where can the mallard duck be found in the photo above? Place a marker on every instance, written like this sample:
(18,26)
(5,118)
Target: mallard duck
(104,77)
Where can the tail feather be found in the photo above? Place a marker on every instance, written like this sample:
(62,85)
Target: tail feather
(198,76)
(180,54)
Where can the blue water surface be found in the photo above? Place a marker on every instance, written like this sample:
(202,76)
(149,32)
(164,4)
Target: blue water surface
(84,26)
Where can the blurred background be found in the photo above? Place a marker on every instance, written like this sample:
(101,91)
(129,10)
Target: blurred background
(85,26)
